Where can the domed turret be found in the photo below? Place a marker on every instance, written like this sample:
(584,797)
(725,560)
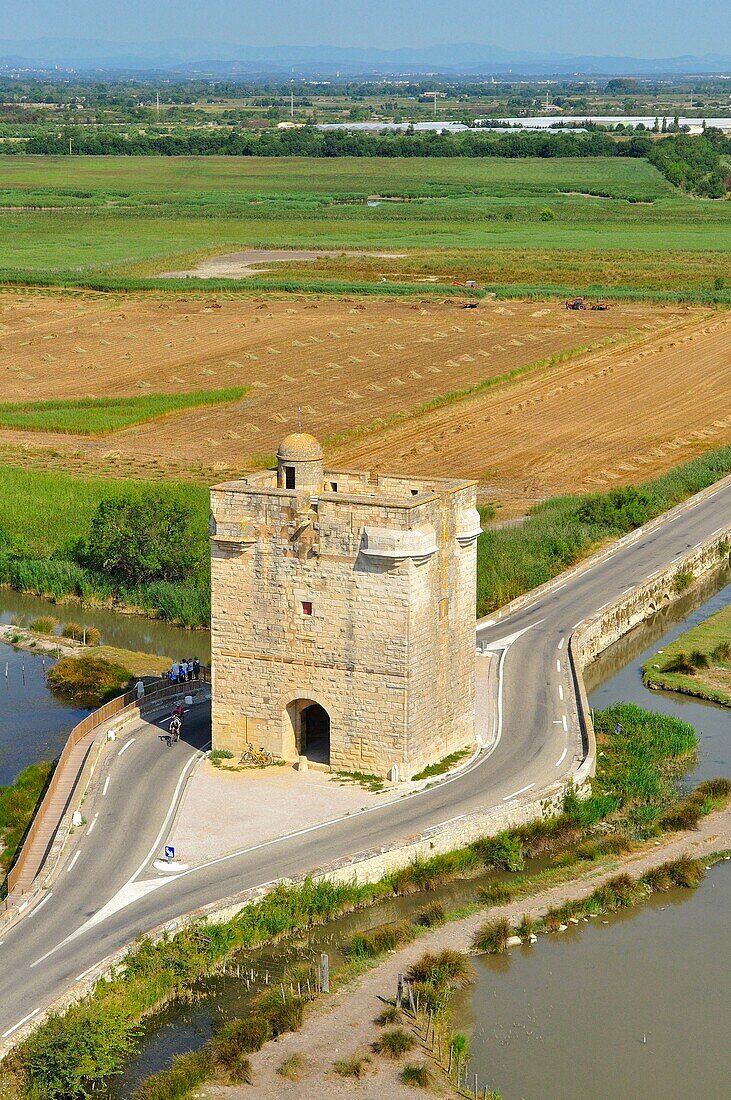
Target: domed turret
(299,463)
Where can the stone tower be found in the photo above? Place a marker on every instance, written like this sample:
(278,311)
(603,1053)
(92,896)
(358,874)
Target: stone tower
(343,614)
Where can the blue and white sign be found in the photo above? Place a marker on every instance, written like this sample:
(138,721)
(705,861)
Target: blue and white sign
(169,851)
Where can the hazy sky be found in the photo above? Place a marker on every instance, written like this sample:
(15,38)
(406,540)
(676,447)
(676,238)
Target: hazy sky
(648,28)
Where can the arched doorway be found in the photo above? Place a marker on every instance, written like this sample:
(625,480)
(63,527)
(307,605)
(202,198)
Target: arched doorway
(310,724)
(315,734)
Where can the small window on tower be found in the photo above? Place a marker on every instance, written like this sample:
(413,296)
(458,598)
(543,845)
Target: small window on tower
(333,486)
(307,607)
(414,492)
(289,477)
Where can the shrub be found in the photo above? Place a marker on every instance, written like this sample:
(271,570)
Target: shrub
(46,624)
(497,893)
(686,872)
(547,215)
(387,937)
(445,967)
(683,580)
(286,1016)
(431,917)
(722,652)
(235,1040)
(681,663)
(74,1054)
(527,926)
(390,1015)
(503,852)
(88,681)
(699,659)
(416,1075)
(492,937)
(394,1043)
(186,1073)
(79,633)
(355,1066)
(217,755)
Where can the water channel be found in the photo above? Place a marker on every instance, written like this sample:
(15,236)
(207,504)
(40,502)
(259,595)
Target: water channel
(567,1019)
(564,1020)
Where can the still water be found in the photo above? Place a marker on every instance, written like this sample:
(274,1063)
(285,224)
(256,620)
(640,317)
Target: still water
(34,724)
(636,1008)
(564,1020)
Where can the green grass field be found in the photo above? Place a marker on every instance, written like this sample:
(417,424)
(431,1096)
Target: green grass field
(101,415)
(130,217)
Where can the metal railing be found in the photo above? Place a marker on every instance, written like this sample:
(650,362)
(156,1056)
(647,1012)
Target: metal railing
(120,705)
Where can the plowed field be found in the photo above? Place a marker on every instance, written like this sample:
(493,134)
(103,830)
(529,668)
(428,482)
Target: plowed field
(657,390)
(618,416)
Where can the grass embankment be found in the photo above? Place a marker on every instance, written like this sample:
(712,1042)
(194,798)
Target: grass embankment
(17,806)
(42,514)
(633,796)
(697,663)
(103,415)
(563,530)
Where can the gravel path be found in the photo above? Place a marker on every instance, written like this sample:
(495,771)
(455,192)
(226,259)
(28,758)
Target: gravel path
(345,1024)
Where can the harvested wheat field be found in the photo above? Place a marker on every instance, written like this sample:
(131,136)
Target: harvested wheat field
(612,417)
(548,415)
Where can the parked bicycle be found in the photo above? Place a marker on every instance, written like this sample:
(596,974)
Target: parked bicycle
(256,756)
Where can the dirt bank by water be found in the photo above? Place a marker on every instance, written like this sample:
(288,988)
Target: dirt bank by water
(344,1025)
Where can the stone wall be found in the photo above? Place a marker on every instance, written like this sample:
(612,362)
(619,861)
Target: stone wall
(363,604)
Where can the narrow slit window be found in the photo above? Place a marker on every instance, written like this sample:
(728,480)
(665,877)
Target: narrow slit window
(307,607)
(289,477)
(333,486)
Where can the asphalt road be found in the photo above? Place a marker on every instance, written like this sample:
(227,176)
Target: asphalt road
(109,892)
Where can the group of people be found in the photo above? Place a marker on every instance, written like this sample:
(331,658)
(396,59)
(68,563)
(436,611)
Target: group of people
(181,671)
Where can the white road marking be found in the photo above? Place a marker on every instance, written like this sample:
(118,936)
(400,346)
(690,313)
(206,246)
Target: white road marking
(560,692)
(565,723)
(9,1032)
(521,791)
(106,784)
(561,758)
(40,904)
(503,643)
(602,607)
(85,972)
(557,721)
(23,906)
(580,622)
(560,644)
(73,863)
(126,746)
(90,830)
(558,665)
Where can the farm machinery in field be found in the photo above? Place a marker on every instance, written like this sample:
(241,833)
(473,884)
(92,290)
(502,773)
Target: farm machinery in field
(579,302)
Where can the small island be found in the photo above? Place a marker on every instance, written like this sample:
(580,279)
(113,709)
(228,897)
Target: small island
(697,663)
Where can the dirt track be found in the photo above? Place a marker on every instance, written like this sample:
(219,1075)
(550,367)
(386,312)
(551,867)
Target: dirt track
(617,415)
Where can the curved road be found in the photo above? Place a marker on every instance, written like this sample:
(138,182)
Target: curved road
(108,893)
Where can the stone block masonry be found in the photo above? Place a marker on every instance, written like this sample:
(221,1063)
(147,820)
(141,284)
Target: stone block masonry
(343,614)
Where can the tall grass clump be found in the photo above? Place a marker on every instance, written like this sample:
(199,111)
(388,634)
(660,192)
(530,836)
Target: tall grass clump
(492,936)
(387,937)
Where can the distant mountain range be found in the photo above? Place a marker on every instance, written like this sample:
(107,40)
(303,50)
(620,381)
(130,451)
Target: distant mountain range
(189,57)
